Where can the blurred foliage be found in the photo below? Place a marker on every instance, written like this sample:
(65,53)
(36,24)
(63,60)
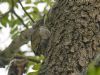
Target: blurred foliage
(94,66)
(31,8)
(18,20)
(93,70)
(36,66)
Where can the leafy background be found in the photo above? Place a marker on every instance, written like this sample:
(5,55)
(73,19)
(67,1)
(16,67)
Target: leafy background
(18,15)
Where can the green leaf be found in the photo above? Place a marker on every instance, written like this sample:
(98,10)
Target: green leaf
(4,20)
(28,1)
(35,9)
(1,1)
(41,57)
(98,70)
(91,69)
(36,66)
(35,16)
(28,7)
(30,73)
(35,73)
(36,3)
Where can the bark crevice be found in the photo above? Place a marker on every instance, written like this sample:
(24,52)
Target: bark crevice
(74,37)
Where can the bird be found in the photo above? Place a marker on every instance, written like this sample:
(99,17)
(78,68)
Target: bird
(39,39)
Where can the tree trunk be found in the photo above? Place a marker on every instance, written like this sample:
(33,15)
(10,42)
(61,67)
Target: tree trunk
(75,37)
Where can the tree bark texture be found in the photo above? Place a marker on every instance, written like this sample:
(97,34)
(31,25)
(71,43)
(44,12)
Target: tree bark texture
(75,37)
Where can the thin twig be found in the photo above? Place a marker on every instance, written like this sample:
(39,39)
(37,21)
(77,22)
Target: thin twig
(17,15)
(26,11)
(20,19)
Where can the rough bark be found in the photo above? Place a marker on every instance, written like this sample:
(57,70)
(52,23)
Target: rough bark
(75,37)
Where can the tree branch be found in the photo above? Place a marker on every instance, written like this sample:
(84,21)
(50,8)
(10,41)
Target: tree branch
(26,11)
(13,48)
(19,19)
(17,15)
(8,53)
